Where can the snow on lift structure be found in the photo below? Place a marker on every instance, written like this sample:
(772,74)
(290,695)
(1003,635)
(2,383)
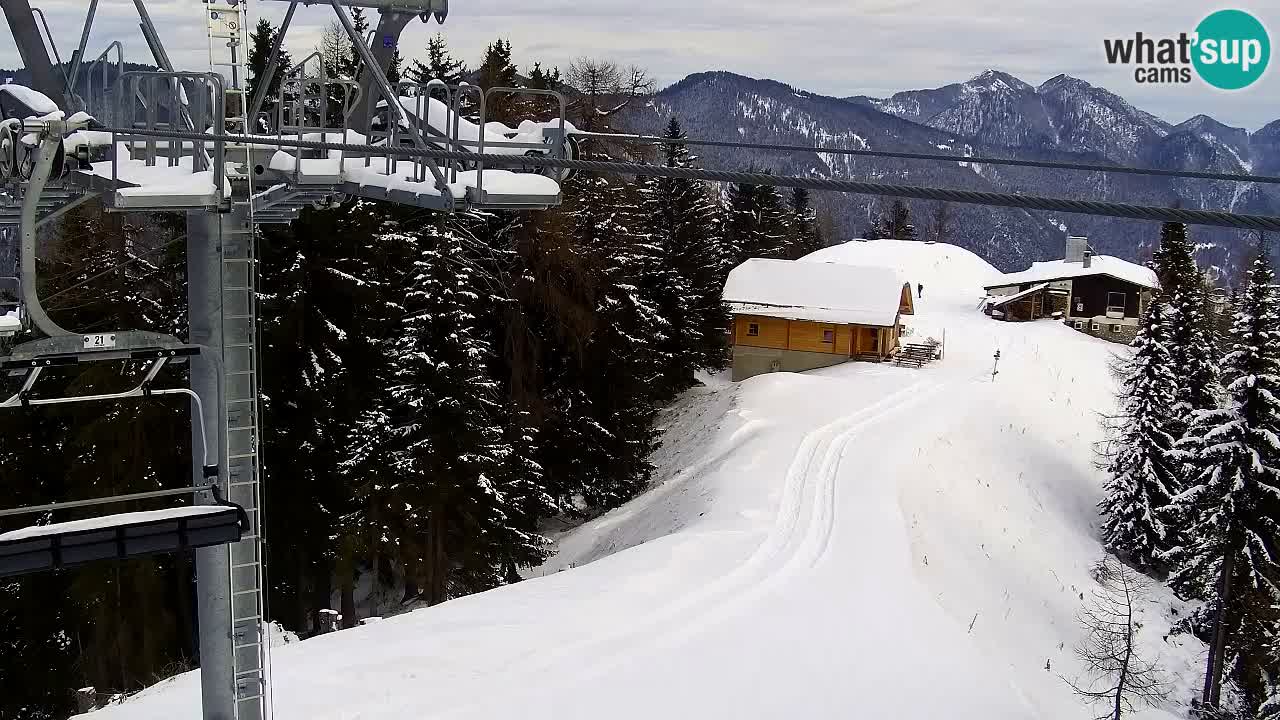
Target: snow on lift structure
(431,115)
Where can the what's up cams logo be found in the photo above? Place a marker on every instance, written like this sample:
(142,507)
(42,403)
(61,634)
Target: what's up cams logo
(1229,50)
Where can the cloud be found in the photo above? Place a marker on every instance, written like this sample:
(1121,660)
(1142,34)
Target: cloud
(829,46)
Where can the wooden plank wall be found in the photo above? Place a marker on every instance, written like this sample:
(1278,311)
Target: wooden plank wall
(773,332)
(807,336)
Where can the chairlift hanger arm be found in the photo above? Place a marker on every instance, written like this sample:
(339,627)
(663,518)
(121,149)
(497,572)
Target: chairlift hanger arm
(130,497)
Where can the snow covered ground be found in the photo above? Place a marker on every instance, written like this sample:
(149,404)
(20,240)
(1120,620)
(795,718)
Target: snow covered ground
(859,541)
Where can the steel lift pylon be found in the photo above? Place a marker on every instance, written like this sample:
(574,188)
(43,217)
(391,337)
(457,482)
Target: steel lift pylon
(225,189)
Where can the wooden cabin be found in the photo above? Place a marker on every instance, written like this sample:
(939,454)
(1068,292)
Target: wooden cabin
(792,316)
(1098,295)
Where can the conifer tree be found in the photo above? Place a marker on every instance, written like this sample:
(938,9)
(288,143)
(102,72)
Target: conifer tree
(603,386)
(440,65)
(540,79)
(262,38)
(757,223)
(497,70)
(1143,474)
(352,63)
(806,237)
(1191,340)
(395,71)
(447,446)
(1174,260)
(896,223)
(1232,505)
(686,284)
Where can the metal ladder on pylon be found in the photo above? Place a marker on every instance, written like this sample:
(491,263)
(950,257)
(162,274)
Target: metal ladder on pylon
(240,386)
(228,54)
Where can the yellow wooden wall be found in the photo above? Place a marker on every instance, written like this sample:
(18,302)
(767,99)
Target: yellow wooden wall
(844,340)
(773,332)
(807,336)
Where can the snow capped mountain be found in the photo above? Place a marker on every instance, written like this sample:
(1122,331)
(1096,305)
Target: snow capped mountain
(1266,146)
(994,107)
(997,114)
(1203,143)
(1064,113)
(1093,120)
(725,106)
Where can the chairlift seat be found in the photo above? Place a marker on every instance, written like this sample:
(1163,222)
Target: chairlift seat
(125,535)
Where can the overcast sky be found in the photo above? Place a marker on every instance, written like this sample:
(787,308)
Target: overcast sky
(834,47)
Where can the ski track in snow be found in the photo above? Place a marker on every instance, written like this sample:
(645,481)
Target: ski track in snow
(798,540)
(818,545)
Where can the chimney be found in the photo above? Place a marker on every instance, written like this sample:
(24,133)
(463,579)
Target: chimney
(1075,249)
(1087,258)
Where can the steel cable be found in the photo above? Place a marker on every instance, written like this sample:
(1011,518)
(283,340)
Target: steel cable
(1008,200)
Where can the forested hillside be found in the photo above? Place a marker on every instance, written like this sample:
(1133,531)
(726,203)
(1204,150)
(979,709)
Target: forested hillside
(436,390)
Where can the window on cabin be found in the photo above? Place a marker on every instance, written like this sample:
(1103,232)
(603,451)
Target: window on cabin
(1079,324)
(1095,327)
(1115,303)
(829,337)
(1116,328)
(753,329)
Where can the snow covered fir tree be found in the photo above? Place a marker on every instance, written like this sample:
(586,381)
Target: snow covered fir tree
(1192,489)
(1228,556)
(1143,474)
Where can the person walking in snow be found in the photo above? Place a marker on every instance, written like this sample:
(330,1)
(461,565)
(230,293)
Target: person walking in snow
(919,289)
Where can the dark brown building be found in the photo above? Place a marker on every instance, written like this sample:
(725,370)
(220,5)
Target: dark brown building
(1100,295)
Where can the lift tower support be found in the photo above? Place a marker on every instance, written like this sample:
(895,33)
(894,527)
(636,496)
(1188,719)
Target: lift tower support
(31,48)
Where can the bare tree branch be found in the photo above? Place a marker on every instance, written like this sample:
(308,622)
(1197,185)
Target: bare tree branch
(1115,671)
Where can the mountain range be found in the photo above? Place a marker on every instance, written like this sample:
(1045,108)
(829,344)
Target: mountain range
(998,115)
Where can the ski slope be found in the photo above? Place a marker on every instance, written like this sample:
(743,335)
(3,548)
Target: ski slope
(859,541)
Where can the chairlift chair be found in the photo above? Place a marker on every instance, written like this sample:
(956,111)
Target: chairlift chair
(57,546)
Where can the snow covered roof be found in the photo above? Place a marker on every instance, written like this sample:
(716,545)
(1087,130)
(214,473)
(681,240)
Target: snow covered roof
(1063,270)
(821,292)
(1018,296)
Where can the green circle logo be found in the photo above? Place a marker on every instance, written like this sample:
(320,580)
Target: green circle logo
(1231,49)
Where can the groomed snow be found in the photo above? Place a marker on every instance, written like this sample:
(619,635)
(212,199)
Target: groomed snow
(863,541)
(818,291)
(1062,270)
(110,521)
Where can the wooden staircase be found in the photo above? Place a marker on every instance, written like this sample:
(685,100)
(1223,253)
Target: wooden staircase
(916,355)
